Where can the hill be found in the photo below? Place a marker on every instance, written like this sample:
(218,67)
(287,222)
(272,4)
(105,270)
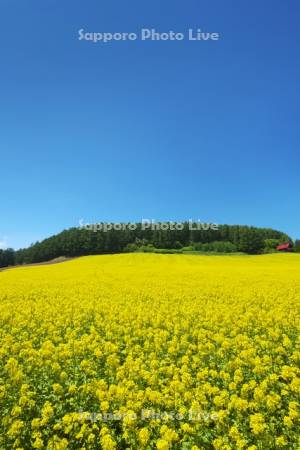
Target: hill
(81,241)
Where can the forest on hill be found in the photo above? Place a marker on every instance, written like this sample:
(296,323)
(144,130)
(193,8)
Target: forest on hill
(82,241)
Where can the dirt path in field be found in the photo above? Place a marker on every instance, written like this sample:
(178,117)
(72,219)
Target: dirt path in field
(60,259)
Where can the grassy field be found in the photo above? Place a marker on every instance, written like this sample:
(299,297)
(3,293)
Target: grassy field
(146,351)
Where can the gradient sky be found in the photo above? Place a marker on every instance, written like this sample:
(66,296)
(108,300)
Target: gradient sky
(158,130)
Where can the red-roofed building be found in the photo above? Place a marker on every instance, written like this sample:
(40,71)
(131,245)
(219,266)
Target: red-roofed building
(287,247)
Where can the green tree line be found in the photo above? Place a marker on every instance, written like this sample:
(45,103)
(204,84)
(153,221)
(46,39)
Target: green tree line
(82,241)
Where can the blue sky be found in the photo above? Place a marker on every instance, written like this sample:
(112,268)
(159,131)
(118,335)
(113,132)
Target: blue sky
(158,130)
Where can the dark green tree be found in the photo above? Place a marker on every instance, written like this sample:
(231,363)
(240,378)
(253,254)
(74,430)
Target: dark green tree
(297,246)
(7,257)
(250,241)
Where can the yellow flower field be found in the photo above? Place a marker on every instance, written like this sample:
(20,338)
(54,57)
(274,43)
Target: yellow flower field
(147,351)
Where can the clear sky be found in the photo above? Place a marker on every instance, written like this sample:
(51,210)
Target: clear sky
(160,130)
